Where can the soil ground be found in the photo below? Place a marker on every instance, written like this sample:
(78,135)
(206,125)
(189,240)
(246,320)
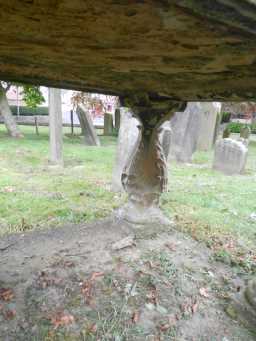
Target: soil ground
(70,283)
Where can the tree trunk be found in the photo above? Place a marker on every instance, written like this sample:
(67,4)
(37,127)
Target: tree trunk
(55,125)
(9,120)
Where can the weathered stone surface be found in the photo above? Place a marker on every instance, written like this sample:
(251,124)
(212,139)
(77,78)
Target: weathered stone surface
(209,113)
(182,49)
(108,124)
(127,137)
(226,133)
(90,135)
(185,132)
(230,156)
(245,132)
(117,119)
(243,305)
(145,177)
(166,138)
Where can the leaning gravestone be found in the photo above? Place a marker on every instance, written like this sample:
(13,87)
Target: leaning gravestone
(209,112)
(230,156)
(90,136)
(127,137)
(185,131)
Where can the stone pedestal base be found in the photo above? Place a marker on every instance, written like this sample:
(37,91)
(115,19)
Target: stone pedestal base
(243,306)
(141,215)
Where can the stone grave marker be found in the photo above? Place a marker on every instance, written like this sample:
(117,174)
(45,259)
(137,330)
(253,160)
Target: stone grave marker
(230,156)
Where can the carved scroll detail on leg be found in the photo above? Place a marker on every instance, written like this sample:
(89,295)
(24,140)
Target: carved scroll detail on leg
(145,176)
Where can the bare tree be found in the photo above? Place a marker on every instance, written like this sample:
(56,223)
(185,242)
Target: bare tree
(5,111)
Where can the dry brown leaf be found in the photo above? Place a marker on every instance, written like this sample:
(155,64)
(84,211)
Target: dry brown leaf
(194,307)
(203,292)
(9,314)
(6,294)
(87,286)
(94,275)
(60,319)
(152,296)
(93,328)
(171,246)
(135,317)
(164,327)
(172,319)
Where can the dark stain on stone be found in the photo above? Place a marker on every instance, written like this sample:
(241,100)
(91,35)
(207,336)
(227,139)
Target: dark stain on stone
(131,12)
(189,46)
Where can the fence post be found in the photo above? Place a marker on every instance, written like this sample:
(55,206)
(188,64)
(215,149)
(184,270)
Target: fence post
(36,125)
(72,121)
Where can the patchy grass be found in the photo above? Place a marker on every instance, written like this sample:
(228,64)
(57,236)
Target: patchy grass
(214,207)
(210,206)
(33,195)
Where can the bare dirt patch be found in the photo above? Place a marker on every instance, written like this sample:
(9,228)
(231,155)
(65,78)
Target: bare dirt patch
(70,283)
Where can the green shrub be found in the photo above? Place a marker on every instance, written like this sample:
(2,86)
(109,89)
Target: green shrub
(26,111)
(235,127)
(225,118)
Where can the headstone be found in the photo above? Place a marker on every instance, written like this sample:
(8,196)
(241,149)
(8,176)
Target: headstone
(90,136)
(108,124)
(245,132)
(185,129)
(127,137)
(226,133)
(117,119)
(209,114)
(166,136)
(230,156)
(217,128)
(55,126)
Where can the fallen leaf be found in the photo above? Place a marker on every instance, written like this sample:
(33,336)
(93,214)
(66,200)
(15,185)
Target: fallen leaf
(6,294)
(164,327)
(172,319)
(94,275)
(194,307)
(123,243)
(60,319)
(203,292)
(87,286)
(171,246)
(93,328)
(9,314)
(135,317)
(152,297)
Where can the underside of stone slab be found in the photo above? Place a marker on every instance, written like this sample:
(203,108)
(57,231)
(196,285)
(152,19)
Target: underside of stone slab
(179,49)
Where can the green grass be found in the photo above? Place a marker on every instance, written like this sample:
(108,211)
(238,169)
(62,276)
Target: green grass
(32,194)
(210,206)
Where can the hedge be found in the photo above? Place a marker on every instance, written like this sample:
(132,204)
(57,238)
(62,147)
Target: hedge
(235,127)
(26,111)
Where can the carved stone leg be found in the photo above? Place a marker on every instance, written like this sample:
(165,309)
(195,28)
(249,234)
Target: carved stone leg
(243,306)
(144,177)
